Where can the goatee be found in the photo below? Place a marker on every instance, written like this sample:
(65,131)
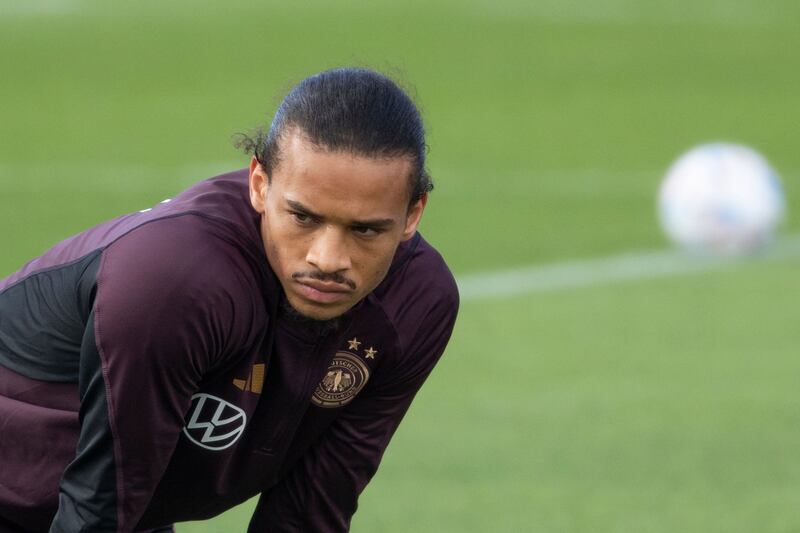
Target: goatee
(320,327)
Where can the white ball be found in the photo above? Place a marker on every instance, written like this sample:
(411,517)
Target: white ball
(721,199)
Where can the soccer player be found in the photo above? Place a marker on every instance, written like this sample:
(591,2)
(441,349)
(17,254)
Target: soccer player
(263,332)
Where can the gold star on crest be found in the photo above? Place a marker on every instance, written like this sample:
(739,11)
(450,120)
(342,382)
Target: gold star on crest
(354,343)
(370,353)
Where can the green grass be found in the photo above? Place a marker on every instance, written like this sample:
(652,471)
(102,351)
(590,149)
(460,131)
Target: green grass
(612,415)
(657,406)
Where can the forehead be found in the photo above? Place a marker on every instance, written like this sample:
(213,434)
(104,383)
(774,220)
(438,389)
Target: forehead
(340,183)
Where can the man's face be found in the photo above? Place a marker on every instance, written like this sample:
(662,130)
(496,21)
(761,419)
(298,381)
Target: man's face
(331,222)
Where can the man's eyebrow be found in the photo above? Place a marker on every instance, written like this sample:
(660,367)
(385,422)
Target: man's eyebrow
(374,223)
(370,223)
(297,206)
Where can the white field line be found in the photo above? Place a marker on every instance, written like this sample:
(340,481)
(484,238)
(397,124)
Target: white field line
(625,267)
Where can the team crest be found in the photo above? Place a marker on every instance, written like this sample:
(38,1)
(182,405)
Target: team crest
(346,376)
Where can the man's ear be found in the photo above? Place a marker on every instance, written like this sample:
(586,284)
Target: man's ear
(258,185)
(414,216)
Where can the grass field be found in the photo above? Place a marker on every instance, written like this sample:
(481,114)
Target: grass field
(646,405)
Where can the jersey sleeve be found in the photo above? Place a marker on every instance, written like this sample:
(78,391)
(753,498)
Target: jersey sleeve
(320,492)
(162,317)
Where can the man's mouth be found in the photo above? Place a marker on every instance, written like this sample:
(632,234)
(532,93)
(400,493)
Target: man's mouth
(324,292)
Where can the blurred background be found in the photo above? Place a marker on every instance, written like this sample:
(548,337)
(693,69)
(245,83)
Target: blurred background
(642,404)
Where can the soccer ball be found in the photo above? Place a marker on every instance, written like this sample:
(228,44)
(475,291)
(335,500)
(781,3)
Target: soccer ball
(721,199)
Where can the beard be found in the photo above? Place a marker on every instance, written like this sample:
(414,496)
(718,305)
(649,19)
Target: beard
(314,325)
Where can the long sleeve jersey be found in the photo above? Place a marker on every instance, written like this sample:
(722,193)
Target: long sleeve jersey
(149,374)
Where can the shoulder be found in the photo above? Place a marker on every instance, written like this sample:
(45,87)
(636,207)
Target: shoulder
(179,273)
(419,295)
(175,253)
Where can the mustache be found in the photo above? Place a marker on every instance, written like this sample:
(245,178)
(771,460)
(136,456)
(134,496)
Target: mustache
(321,276)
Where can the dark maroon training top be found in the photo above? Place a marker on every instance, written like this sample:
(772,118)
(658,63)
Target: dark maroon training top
(149,375)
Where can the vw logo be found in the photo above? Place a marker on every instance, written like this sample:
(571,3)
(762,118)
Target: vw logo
(214,424)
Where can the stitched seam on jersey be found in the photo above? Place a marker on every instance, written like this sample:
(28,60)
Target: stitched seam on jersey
(103,247)
(379,301)
(198,214)
(52,268)
(415,240)
(404,350)
(109,401)
(167,217)
(395,334)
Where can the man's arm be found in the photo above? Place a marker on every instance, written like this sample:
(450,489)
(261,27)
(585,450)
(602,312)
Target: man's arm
(320,492)
(158,323)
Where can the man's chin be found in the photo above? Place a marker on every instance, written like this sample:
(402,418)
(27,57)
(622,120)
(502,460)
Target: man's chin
(320,315)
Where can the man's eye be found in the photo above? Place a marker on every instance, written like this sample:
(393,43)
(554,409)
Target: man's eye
(301,218)
(365,231)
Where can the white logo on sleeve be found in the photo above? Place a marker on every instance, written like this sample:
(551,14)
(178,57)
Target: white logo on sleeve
(214,424)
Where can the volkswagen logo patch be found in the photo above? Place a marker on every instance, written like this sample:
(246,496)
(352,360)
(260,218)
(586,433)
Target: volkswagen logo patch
(214,424)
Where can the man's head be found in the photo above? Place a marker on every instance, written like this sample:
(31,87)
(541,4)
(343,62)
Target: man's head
(339,181)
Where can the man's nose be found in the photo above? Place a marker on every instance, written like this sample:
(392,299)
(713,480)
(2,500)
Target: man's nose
(328,252)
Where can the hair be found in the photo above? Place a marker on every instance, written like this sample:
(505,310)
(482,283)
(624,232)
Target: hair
(352,110)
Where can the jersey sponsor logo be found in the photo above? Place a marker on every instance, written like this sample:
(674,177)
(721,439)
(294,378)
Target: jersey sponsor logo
(255,380)
(214,424)
(345,377)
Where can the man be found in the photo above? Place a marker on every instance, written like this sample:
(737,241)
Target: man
(261,333)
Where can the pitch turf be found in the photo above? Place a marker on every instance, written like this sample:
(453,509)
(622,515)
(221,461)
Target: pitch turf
(645,406)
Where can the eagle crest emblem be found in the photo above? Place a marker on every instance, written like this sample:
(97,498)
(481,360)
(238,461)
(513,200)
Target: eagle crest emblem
(345,377)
